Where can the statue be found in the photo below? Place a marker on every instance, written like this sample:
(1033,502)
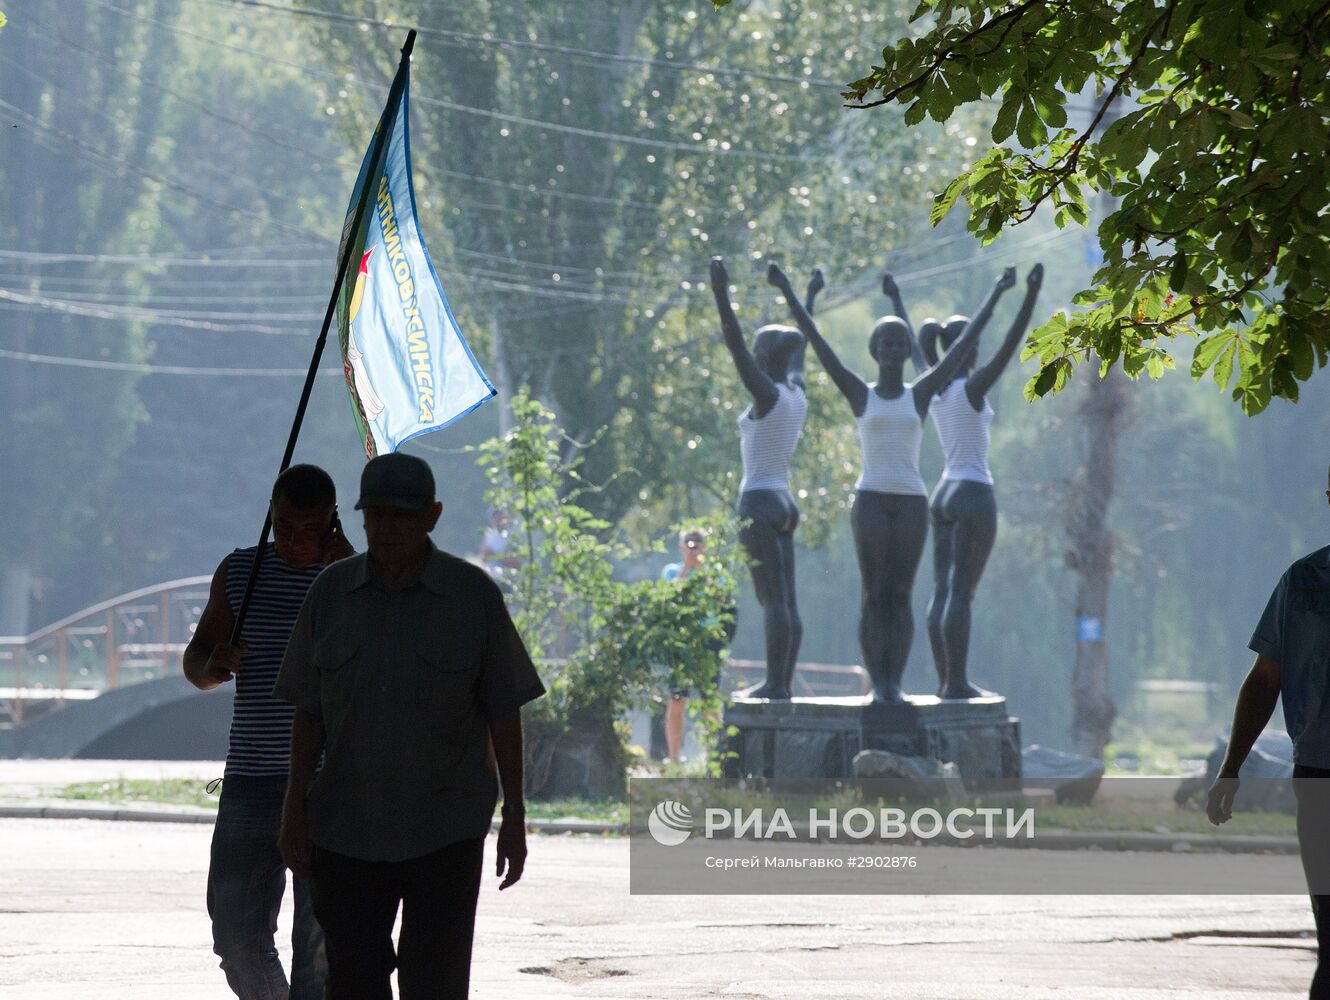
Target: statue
(890,514)
(963,507)
(768,432)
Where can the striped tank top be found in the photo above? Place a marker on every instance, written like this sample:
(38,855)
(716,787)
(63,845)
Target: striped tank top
(963,433)
(890,433)
(766,444)
(260,744)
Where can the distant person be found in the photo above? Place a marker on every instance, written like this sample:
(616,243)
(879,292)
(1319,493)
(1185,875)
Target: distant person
(1290,644)
(246,875)
(494,547)
(405,669)
(692,548)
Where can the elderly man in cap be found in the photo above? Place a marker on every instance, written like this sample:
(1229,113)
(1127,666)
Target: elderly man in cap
(404,668)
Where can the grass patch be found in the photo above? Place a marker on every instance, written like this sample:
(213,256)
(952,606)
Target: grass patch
(164,791)
(1101,817)
(604,811)
(1129,818)
(192,792)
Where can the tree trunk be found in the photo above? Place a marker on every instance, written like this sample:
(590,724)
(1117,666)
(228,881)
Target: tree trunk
(1090,554)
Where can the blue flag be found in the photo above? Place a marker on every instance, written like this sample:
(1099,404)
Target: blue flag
(408,369)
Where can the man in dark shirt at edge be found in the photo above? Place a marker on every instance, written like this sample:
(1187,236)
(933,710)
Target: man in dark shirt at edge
(1292,647)
(246,876)
(404,667)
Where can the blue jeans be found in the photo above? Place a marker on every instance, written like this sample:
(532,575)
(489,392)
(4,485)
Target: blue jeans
(246,880)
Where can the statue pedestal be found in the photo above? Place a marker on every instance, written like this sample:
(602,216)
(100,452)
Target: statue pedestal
(810,738)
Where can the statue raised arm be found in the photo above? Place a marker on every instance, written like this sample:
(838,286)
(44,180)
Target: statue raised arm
(768,433)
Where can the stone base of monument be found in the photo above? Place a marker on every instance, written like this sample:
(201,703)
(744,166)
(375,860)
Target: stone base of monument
(810,738)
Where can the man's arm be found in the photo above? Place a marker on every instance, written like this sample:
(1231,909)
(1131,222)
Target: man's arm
(1256,703)
(210,659)
(306,744)
(506,735)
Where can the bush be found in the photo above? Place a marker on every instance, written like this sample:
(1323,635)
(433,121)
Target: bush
(601,644)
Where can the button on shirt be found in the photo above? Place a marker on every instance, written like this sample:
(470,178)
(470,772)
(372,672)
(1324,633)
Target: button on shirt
(1294,631)
(406,683)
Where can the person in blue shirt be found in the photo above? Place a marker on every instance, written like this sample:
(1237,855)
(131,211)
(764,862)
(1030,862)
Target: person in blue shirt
(1292,647)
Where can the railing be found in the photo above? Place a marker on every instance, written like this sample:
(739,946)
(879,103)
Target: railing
(130,638)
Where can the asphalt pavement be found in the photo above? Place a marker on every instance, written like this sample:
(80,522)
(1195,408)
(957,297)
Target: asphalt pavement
(99,910)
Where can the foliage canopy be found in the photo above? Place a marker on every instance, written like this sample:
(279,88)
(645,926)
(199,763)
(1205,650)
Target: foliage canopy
(1220,231)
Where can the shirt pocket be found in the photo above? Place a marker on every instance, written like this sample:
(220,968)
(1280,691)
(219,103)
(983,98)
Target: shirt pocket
(335,659)
(449,673)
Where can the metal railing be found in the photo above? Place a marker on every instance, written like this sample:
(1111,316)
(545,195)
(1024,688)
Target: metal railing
(134,637)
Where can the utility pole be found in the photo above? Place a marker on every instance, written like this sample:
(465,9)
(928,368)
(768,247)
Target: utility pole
(1090,542)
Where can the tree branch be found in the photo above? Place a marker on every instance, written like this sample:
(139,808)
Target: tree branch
(1015,13)
(1071,157)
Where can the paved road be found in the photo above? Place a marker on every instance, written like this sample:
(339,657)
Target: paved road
(101,910)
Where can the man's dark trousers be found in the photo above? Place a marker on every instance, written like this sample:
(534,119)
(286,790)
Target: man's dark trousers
(246,880)
(1311,785)
(356,903)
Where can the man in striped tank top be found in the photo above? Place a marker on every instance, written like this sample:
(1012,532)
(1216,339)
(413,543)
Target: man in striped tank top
(246,876)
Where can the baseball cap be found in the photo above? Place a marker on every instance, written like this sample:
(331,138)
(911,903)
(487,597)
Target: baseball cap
(396,480)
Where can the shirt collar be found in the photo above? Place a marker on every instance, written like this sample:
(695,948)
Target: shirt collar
(431,576)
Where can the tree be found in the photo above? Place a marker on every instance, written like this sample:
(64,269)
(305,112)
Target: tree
(1221,231)
(65,428)
(574,181)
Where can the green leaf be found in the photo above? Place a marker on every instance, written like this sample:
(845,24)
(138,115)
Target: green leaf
(939,100)
(1177,274)
(914,114)
(1051,378)
(1005,123)
(1302,358)
(1224,364)
(1030,128)
(1239,118)
(1052,110)
(965,87)
(1207,351)
(943,202)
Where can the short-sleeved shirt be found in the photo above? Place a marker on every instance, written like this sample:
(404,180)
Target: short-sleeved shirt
(1294,631)
(406,683)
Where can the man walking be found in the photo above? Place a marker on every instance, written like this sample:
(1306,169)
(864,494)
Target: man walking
(404,668)
(246,876)
(1291,643)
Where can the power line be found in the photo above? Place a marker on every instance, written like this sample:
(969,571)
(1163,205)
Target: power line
(147,369)
(595,55)
(46,304)
(169,182)
(182,258)
(714,147)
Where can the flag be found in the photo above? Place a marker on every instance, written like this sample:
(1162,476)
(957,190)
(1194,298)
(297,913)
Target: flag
(408,368)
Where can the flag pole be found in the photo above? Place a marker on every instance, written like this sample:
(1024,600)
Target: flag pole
(387,122)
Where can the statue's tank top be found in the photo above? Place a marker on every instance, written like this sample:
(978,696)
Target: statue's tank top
(766,444)
(963,433)
(890,433)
